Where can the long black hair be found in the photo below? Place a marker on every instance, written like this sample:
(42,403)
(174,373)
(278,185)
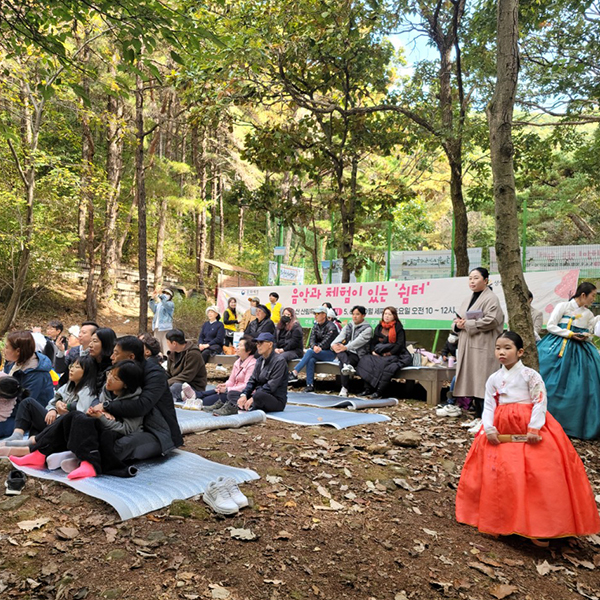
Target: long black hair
(515,338)
(90,373)
(130,373)
(108,339)
(11,389)
(583,288)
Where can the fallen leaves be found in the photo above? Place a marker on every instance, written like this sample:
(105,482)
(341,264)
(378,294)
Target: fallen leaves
(502,590)
(67,533)
(31,525)
(245,535)
(545,567)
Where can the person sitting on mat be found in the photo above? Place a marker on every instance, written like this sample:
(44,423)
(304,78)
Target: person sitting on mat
(185,364)
(223,399)
(267,387)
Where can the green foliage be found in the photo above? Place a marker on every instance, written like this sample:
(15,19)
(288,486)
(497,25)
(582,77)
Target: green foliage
(189,315)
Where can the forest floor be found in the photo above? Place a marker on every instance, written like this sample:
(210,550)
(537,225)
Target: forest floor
(336,514)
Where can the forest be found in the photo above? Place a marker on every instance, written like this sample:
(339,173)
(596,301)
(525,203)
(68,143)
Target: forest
(157,135)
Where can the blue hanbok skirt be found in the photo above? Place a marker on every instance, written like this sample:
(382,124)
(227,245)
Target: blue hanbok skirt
(573,383)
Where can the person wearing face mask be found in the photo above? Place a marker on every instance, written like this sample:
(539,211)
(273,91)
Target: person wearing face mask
(289,336)
(163,308)
(250,314)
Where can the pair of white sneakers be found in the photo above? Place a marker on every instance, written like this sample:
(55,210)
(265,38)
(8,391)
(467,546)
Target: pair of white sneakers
(448,410)
(188,395)
(224,496)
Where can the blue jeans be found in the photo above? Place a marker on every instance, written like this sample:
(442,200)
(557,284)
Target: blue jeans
(309,360)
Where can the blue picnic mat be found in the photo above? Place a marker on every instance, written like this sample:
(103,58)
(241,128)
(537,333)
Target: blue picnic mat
(340,419)
(198,420)
(177,476)
(332,401)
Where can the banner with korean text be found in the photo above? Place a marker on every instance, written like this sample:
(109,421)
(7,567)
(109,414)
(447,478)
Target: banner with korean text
(421,304)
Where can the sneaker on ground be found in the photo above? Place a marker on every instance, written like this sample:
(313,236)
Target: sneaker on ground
(448,410)
(348,370)
(292,378)
(219,499)
(221,369)
(308,389)
(15,482)
(234,491)
(227,409)
(475,427)
(187,392)
(343,393)
(470,423)
(216,406)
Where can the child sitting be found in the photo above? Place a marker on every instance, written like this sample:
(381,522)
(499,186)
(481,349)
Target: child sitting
(91,437)
(537,488)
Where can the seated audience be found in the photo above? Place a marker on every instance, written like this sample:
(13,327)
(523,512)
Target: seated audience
(250,314)
(388,353)
(321,336)
(101,347)
(267,386)
(262,323)
(223,399)
(30,368)
(332,316)
(212,334)
(152,348)
(54,334)
(185,364)
(78,394)
(63,358)
(274,307)
(290,341)
(11,396)
(352,342)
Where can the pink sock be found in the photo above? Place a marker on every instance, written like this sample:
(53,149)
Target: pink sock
(36,459)
(84,470)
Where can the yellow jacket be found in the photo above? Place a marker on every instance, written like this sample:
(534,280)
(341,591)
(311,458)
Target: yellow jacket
(275,312)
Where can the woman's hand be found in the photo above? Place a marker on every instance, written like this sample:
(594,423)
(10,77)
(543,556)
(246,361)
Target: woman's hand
(459,323)
(533,438)
(578,337)
(50,417)
(492,438)
(61,408)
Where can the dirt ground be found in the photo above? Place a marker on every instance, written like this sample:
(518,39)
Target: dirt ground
(336,514)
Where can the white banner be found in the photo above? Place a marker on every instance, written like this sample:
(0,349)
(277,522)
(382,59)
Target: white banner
(550,258)
(288,275)
(421,304)
(427,264)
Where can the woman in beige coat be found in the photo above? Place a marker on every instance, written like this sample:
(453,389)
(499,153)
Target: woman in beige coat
(479,322)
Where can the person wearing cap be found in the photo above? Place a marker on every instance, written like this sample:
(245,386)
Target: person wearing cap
(322,335)
(262,323)
(163,308)
(250,314)
(212,334)
(275,307)
(267,388)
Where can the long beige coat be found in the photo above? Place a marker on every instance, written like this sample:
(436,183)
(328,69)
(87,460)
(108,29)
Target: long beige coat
(476,343)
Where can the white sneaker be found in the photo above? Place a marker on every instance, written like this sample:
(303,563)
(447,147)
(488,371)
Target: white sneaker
(219,499)
(234,491)
(476,427)
(448,410)
(470,423)
(343,393)
(348,370)
(220,369)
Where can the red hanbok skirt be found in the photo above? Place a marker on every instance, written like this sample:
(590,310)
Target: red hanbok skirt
(537,491)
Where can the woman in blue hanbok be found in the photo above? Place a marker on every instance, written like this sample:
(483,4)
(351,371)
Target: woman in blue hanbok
(570,365)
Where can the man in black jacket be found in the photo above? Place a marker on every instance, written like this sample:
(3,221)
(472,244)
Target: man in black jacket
(161,430)
(267,387)
(322,335)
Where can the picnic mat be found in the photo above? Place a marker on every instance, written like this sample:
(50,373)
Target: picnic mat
(340,419)
(178,476)
(332,401)
(198,420)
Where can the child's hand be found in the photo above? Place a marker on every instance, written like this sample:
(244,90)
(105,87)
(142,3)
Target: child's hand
(95,411)
(492,438)
(61,408)
(533,438)
(50,417)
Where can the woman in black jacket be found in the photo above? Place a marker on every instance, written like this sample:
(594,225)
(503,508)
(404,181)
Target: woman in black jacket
(388,353)
(262,323)
(289,343)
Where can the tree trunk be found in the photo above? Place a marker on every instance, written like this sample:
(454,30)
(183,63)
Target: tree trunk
(160,241)
(114,167)
(221,211)
(213,219)
(140,192)
(199,161)
(240,231)
(500,116)
(91,297)
(126,229)
(461,223)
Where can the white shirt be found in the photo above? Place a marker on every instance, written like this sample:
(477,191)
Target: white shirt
(520,384)
(564,312)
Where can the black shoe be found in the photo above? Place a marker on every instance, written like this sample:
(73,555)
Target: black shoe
(227,409)
(366,392)
(212,407)
(292,378)
(15,483)
(308,389)
(375,395)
